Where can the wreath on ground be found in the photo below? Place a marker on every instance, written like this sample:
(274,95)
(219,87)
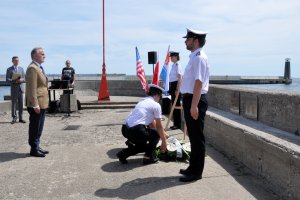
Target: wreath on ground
(176,151)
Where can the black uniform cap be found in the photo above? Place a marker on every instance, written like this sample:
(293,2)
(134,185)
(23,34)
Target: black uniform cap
(172,53)
(195,33)
(155,88)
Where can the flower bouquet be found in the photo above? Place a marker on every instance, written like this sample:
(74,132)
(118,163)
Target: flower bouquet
(176,151)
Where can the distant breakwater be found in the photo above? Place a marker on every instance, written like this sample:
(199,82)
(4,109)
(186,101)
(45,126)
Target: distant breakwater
(213,79)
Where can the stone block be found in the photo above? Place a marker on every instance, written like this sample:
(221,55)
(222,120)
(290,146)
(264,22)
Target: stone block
(68,103)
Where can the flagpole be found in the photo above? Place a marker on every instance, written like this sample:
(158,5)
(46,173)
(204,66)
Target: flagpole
(103,91)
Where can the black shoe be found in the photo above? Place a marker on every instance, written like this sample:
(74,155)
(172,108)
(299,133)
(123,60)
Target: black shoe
(174,127)
(147,161)
(37,154)
(13,121)
(190,178)
(122,157)
(43,151)
(184,172)
(22,121)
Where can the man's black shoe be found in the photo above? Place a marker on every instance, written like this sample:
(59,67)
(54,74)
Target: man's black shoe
(174,127)
(122,157)
(184,172)
(43,151)
(37,154)
(189,178)
(13,121)
(147,161)
(22,121)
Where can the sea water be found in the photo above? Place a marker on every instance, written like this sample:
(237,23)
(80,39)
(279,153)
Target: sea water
(294,86)
(4,90)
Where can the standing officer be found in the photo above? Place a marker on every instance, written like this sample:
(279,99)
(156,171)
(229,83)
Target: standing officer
(15,75)
(194,87)
(37,100)
(143,128)
(175,80)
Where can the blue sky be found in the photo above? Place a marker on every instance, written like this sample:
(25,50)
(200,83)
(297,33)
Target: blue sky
(249,37)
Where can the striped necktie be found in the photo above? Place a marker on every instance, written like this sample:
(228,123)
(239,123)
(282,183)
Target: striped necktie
(42,70)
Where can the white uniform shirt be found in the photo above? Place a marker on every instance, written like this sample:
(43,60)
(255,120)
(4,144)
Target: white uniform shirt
(175,70)
(145,112)
(196,69)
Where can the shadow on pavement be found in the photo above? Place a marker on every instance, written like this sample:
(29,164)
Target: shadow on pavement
(8,156)
(112,152)
(116,166)
(139,187)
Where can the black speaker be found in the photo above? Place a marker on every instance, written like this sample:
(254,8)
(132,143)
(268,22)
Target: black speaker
(152,57)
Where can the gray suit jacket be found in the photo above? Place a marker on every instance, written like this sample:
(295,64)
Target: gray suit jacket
(15,86)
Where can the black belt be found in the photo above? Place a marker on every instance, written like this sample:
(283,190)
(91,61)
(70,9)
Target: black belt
(191,95)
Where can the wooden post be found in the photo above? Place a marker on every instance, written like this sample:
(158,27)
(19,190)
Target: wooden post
(171,114)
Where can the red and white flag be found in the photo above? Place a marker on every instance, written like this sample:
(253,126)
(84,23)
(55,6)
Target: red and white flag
(155,79)
(140,73)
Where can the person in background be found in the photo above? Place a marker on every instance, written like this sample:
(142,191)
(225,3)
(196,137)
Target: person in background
(194,87)
(143,128)
(16,77)
(174,85)
(68,74)
(37,100)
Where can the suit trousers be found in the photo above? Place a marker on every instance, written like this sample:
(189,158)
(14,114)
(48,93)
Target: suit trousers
(195,133)
(177,112)
(36,125)
(16,102)
(144,139)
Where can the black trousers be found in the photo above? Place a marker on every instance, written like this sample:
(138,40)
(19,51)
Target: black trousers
(16,102)
(195,133)
(144,140)
(177,112)
(36,125)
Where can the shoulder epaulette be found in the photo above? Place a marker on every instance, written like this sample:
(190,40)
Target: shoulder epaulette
(198,54)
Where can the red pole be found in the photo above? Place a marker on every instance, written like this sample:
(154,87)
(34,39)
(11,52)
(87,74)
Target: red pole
(103,91)
(103,34)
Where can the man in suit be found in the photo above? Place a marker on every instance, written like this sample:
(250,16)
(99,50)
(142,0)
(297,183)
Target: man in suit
(37,100)
(15,76)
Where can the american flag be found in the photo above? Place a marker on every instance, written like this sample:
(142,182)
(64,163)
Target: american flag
(140,73)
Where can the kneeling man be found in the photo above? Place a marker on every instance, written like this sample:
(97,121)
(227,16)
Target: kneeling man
(143,128)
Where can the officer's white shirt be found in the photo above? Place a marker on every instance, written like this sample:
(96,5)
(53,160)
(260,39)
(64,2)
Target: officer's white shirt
(175,70)
(145,112)
(196,69)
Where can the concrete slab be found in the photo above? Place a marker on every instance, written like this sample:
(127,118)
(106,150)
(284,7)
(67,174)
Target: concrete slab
(82,165)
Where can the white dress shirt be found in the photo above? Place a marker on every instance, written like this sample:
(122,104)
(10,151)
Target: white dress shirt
(175,70)
(145,112)
(196,69)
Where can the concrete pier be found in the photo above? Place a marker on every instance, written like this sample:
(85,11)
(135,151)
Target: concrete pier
(254,130)
(82,164)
